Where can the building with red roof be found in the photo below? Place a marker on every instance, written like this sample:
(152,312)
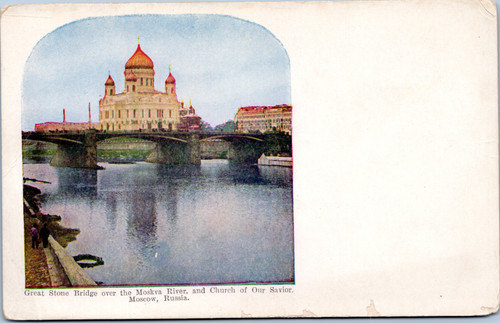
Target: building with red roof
(139,106)
(189,120)
(264,118)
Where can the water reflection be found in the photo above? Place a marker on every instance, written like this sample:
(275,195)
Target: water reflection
(37,160)
(276,175)
(77,182)
(170,196)
(141,222)
(111,207)
(169,173)
(159,224)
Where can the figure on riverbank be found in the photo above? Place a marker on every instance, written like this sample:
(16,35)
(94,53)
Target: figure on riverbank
(44,234)
(34,236)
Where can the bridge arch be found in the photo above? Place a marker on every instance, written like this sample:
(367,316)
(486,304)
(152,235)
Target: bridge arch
(228,137)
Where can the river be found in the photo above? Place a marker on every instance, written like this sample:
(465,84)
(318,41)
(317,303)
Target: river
(220,222)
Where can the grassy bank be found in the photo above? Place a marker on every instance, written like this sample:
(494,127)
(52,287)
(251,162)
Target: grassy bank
(38,153)
(123,153)
(100,153)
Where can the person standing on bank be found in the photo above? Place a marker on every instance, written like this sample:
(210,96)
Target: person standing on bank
(34,236)
(44,234)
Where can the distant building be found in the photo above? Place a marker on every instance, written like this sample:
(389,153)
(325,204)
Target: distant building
(66,126)
(189,120)
(139,106)
(264,118)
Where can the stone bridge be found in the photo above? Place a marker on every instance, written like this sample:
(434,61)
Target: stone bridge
(79,149)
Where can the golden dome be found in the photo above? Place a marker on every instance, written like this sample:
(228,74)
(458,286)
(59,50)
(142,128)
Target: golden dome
(109,81)
(139,60)
(170,78)
(130,76)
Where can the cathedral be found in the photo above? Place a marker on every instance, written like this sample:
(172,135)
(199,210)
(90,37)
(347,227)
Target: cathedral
(139,106)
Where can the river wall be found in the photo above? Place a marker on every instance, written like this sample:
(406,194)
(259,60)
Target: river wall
(275,161)
(63,269)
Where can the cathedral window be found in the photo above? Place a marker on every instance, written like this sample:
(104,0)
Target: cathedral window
(133,113)
(149,113)
(127,88)
(141,81)
(119,114)
(133,88)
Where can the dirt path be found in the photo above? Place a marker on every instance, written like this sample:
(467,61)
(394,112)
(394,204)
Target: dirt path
(35,262)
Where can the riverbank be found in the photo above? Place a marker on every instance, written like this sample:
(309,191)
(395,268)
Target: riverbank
(35,262)
(37,271)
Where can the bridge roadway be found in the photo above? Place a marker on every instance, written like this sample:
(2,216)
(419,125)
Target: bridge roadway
(79,149)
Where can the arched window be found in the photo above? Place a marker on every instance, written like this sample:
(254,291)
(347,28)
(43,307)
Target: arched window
(133,88)
(127,88)
(110,91)
(141,81)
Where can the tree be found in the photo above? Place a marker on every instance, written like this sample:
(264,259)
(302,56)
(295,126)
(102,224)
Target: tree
(228,126)
(278,143)
(205,126)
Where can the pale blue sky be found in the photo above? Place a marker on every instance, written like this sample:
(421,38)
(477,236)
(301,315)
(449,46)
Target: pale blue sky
(219,62)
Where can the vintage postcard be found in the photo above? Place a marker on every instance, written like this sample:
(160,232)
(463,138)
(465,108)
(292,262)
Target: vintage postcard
(223,160)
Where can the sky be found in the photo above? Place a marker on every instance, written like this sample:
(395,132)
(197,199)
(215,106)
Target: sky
(220,63)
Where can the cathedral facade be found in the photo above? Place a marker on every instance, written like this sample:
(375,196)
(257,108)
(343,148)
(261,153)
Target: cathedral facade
(139,106)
